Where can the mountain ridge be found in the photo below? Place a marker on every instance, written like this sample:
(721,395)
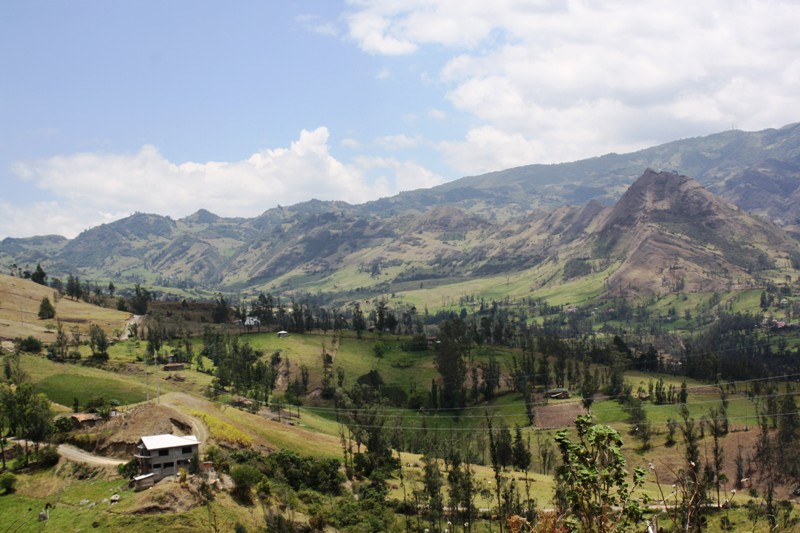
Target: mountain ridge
(452,233)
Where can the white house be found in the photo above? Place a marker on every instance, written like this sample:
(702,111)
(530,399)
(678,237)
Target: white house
(163,455)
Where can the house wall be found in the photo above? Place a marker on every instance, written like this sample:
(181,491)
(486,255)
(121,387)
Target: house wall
(167,461)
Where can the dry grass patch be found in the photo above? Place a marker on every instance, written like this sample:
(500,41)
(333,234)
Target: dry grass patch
(19,310)
(222,431)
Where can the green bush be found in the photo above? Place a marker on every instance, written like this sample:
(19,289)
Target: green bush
(30,344)
(244,478)
(7,482)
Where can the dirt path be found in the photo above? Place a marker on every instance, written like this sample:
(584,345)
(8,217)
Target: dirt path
(179,400)
(76,454)
(134,319)
(79,456)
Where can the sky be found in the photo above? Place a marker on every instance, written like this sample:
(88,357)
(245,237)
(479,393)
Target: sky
(111,108)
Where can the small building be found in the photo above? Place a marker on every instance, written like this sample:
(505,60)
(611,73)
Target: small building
(163,455)
(283,333)
(171,367)
(86,420)
(145,481)
(558,393)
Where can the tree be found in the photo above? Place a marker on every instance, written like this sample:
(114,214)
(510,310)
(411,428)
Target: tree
(717,423)
(74,288)
(46,309)
(451,351)
(684,396)
(359,324)
(592,485)
(432,482)
(692,486)
(462,489)
(640,425)
(521,453)
(221,311)
(27,414)
(141,300)
(505,449)
(244,477)
(39,275)
(491,378)
(98,342)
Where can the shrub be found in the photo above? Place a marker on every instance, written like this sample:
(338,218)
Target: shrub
(418,343)
(47,456)
(7,482)
(30,344)
(244,478)
(129,469)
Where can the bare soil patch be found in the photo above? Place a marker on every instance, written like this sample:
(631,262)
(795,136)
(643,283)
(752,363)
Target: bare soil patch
(119,435)
(167,496)
(558,414)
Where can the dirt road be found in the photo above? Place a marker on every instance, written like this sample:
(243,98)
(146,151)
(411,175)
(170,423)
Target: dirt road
(76,454)
(183,402)
(79,456)
(134,319)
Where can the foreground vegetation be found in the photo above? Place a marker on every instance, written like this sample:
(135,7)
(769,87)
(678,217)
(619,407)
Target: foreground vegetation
(384,418)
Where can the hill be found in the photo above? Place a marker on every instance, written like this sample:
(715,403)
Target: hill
(531,228)
(19,307)
(757,170)
(670,234)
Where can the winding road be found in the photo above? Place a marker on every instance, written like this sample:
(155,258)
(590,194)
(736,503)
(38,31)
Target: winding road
(76,454)
(79,456)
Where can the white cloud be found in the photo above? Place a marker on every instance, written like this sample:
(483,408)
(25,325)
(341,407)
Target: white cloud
(408,175)
(350,143)
(369,30)
(486,149)
(438,114)
(92,188)
(316,25)
(398,142)
(383,74)
(564,80)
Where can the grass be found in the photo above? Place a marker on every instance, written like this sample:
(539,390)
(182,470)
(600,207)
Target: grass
(221,431)
(62,382)
(297,437)
(19,308)
(77,505)
(63,388)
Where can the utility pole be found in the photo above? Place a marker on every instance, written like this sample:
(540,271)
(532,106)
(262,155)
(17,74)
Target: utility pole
(158,382)
(146,376)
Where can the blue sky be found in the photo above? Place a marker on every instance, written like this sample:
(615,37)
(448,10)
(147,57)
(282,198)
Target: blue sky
(108,108)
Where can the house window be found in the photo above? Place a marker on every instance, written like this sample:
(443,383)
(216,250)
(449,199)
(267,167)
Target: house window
(163,453)
(186,450)
(169,465)
(156,467)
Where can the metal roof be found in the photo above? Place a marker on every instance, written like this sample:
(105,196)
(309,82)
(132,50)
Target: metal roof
(159,442)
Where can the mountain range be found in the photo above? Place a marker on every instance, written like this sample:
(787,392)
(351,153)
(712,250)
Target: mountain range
(703,214)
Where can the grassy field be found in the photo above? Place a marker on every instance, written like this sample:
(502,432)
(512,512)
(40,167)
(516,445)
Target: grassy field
(315,432)
(62,382)
(83,505)
(19,308)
